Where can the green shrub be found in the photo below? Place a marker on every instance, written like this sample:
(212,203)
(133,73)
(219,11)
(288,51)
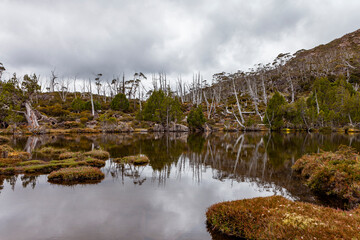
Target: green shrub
(196,118)
(274,111)
(55,110)
(120,103)
(78,105)
(97,105)
(161,108)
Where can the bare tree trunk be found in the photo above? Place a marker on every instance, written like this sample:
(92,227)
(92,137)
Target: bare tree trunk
(317,103)
(31,116)
(238,104)
(92,100)
(254,97)
(264,89)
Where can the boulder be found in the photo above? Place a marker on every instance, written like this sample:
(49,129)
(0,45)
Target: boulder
(124,127)
(91,124)
(178,128)
(158,128)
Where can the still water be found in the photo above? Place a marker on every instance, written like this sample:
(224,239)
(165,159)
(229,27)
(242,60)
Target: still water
(168,198)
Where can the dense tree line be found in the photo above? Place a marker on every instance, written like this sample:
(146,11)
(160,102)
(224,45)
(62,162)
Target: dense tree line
(329,104)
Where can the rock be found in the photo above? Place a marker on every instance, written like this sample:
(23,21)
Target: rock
(173,127)
(158,128)
(178,127)
(91,124)
(124,127)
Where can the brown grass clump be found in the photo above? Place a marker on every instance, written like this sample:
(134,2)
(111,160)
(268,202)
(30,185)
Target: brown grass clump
(68,155)
(5,150)
(75,175)
(278,218)
(139,159)
(50,152)
(8,162)
(98,154)
(4,139)
(333,174)
(19,155)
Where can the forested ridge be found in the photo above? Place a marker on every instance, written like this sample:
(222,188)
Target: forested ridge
(309,90)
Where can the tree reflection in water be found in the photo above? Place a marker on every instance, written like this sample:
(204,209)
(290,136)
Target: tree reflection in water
(264,159)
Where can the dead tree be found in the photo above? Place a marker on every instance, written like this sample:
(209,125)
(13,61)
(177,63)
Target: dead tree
(53,82)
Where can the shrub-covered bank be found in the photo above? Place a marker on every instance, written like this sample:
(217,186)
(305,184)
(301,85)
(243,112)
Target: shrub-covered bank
(333,174)
(279,218)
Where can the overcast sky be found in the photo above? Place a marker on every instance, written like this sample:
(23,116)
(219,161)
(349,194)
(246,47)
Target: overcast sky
(84,37)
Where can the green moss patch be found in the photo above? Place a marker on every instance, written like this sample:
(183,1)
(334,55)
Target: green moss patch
(139,159)
(279,218)
(333,174)
(75,175)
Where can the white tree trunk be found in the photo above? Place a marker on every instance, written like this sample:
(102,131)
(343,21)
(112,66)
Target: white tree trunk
(31,116)
(238,104)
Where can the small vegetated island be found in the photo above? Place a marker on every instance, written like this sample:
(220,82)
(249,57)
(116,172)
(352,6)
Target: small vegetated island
(62,165)
(334,175)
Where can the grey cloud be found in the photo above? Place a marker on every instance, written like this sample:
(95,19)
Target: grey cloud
(178,37)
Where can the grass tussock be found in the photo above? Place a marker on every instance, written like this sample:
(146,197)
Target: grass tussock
(75,175)
(279,218)
(139,159)
(98,154)
(333,174)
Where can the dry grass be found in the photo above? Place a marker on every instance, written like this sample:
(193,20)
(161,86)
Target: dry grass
(278,218)
(334,174)
(139,159)
(75,175)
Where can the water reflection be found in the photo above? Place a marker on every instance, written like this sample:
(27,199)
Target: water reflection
(165,199)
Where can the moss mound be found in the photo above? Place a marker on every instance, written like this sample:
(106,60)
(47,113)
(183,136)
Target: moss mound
(98,154)
(50,152)
(75,175)
(18,162)
(334,174)
(68,155)
(139,159)
(278,218)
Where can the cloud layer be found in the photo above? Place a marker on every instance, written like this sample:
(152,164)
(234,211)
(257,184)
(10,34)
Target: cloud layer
(175,36)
